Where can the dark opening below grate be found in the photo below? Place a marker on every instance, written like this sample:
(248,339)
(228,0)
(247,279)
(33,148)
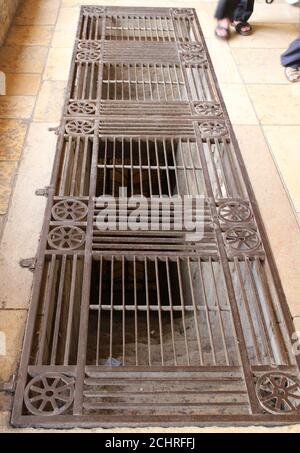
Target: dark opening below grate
(152,327)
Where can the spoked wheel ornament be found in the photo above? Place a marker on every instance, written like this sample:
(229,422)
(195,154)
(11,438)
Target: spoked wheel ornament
(183,12)
(242,239)
(234,212)
(49,394)
(278,393)
(89,45)
(208,109)
(81,108)
(66,238)
(88,56)
(191,47)
(79,127)
(93,11)
(211,129)
(194,58)
(69,209)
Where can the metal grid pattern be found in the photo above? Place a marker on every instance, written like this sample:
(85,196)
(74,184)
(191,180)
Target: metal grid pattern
(179,317)
(152,327)
(149,167)
(140,82)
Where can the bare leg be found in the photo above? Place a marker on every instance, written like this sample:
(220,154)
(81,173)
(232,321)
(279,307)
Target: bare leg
(222,29)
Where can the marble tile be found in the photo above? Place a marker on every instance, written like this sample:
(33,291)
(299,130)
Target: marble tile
(205,13)
(297,323)
(23,59)
(12,134)
(22,84)
(7,173)
(12,324)
(20,239)
(67,19)
(63,38)
(31,35)
(285,145)
(58,64)
(16,106)
(2,223)
(276,104)
(223,62)
(37,12)
(50,101)
(279,14)
(238,105)
(266,36)
(260,65)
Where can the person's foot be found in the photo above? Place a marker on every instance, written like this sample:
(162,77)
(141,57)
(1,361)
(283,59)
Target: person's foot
(222,29)
(243,28)
(292,74)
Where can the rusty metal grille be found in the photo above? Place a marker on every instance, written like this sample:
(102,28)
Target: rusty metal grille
(152,327)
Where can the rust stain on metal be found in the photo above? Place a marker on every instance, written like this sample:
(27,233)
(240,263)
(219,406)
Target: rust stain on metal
(146,328)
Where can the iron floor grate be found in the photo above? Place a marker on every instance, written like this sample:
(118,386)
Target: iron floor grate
(152,326)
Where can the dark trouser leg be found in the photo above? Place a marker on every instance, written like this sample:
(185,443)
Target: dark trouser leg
(291,57)
(243,10)
(225,9)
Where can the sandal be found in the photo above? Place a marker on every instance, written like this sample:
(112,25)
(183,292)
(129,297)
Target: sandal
(292,74)
(226,35)
(238,28)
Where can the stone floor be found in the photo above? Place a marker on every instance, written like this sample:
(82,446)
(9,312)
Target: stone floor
(263,106)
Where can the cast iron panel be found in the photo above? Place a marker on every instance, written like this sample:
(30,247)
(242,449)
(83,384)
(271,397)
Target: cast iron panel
(152,327)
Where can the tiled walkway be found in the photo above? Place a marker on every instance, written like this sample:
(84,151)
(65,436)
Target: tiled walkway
(263,106)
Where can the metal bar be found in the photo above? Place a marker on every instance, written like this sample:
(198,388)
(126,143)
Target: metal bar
(261,319)
(99,307)
(213,164)
(123,311)
(167,168)
(159,308)
(111,324)
(183,308)
(46,309)
(171,312)
(150,82)
(219,313)
(195,314)
(184,168)
(248,311)
(58,311)
(75,165)
(71,309)
(135,314)
(148,312)
(83,168)
(212,347)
